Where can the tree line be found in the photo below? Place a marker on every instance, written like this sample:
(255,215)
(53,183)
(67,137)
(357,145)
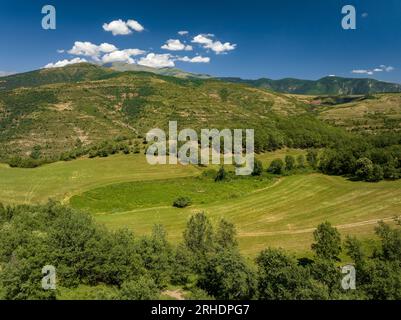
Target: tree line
(103,149)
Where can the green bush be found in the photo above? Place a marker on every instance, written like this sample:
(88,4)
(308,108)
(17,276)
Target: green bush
(258,168)
(221,175)
(182,202)
(276,167)
(142,288)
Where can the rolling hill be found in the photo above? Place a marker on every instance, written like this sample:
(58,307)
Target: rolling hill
(324,86)
(173,72)
(378,113)
(85,104)
(54,108)
(69,74)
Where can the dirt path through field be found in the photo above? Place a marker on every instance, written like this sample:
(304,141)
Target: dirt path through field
(310,230)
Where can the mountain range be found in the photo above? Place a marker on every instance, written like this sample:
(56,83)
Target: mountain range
(91,72)
(323,86)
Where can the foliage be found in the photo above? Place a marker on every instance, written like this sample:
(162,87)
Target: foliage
(198,236)
(312,158)
(327,242)
(221,175)
(226,235)
(289,163)
(227,276)
(281,278)
(276,166)
(364,160)
(182,202)
(301,161)
(142,288)
(93,263)
(258,168)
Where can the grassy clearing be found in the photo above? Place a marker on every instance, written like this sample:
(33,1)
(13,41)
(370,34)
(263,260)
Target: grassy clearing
(268,157)
(150,194)
(61,180)
(281,214)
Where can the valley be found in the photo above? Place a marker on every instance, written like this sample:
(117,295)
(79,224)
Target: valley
(69,113)
(220,152)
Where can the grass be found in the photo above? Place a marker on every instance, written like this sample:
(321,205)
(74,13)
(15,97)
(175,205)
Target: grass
(86,292)
(62,180)
(124,191)
(268,157)
(279,214)
(150,194)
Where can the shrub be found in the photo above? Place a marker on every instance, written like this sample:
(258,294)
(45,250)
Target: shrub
(377,173)
(276,167)
(364,169)
(182,202)
(227,276)
(143,288)
(312,158)
(221,175)
(289,162)
(301,161)
(258,168)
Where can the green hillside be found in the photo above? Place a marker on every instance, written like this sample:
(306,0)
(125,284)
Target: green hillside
(82,111)
(378,113)
(324,86)
(72,73)
(173,72)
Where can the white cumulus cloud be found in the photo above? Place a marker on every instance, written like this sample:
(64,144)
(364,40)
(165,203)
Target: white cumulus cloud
(91,50)
(216,46)
(154,60)
(197,59)
(202,39)
(120,27)
(122,56)
(389,69)
(183,32)
(63,63)
(176,45)
(362,71)
(135,25)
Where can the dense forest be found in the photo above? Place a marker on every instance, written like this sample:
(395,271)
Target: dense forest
(207,263)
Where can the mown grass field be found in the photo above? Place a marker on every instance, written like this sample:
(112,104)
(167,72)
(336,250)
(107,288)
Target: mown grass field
(126,192)
(280,213)
(61,180)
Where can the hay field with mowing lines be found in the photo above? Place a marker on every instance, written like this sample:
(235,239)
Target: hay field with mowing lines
(125,192)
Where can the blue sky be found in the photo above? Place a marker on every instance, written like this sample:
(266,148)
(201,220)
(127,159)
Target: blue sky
(248,39)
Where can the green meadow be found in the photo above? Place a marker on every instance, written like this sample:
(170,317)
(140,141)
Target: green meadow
(280,212)
(61,180)
(123,191)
